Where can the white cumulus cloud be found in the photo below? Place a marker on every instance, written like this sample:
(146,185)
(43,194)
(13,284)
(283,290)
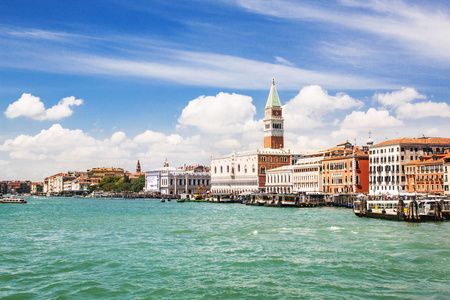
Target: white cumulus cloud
(359,121)
(423,110)
(309,108)
(398,98)
(372,119)
(405,104)
(32,107)
(223,113)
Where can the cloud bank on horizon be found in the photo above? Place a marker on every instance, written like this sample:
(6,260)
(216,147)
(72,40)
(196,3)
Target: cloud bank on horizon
(187,82)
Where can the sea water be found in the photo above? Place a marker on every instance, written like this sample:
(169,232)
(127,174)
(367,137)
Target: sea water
(69,248)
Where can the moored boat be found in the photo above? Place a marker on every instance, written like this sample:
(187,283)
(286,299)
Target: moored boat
(222,198)
(410,210)
(260,199)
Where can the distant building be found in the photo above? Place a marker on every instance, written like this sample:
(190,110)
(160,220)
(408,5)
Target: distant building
(19,187)
(427,174)
(138,172)
(54,185)
(138,167)
(15,187)
(175,181)
(388,161)
(307,175)
(3,187)
(346,170)
(37,188)
(96,174)
(280,180)
(446,176)
(245,171)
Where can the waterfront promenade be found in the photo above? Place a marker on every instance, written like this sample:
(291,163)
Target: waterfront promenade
(127,249)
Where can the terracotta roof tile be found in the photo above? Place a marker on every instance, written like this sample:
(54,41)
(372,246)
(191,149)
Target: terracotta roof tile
(436,140)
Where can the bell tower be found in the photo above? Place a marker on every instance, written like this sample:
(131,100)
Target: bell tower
(273,121)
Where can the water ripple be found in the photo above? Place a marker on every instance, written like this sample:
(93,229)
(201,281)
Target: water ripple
(116,249)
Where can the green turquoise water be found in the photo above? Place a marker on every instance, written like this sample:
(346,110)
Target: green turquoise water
(65,248)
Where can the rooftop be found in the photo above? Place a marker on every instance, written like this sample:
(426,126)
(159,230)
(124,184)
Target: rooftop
(422,140)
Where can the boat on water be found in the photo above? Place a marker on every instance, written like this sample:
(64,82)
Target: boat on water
(221,198)
(410,210)
(260,199)
(12,199)
(284,200)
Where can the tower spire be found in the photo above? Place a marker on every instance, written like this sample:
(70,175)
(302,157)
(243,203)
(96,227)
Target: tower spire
(273,100)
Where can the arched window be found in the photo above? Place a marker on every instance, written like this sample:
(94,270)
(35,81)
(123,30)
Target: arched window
(221,169)
(263,169)
(253,169)
(245,169)
(228,169)
(215,169)
(239,168)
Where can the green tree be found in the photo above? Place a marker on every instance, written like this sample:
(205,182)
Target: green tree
(108,184)
(137,185)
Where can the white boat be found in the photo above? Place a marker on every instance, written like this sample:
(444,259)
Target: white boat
(12,199)
(413,210)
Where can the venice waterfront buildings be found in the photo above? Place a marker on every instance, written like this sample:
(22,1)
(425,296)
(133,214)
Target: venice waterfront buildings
(388,162)
(176,181)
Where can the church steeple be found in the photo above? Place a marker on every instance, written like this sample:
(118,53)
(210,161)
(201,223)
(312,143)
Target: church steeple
(138,167)
(273,120)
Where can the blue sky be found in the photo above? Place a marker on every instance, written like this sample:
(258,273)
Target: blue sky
(104,83)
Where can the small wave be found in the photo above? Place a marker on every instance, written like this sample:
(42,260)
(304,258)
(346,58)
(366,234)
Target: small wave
(335,228)
(255,232)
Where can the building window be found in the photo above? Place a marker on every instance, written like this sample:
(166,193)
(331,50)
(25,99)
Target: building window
(263,169)
(239,168)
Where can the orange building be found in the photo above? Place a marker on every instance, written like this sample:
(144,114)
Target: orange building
(346,170)
(96,174)
(426,174)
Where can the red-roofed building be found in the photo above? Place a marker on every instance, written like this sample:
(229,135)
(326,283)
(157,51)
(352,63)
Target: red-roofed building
(388,162)
(346,170)
(426,174)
